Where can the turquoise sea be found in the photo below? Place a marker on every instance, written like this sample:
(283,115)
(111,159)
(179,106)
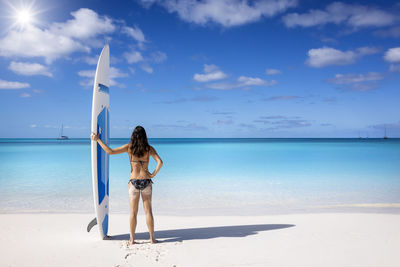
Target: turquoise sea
(208,176)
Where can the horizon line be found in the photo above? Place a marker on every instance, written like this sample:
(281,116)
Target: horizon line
(55,138)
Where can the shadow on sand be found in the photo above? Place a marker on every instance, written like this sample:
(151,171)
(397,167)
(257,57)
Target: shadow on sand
(205,233)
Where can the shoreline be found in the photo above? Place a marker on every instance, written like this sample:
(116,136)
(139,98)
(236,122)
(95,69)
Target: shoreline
(369,208)
(313,239)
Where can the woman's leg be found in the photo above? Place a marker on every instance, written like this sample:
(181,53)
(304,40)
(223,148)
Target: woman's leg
(134,196)
(146,197)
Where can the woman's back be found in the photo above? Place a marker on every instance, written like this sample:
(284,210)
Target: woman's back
(139,165)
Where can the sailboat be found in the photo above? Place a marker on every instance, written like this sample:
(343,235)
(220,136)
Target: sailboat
(62,137)
(385,136)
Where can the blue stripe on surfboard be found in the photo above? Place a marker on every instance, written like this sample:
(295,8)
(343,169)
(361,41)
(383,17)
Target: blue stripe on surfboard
(104,224)
(103,88)
(102,156)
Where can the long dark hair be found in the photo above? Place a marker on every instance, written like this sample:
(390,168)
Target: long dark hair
(139,144)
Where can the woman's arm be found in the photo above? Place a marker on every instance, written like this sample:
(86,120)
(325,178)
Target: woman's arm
(157,158)
(107,149)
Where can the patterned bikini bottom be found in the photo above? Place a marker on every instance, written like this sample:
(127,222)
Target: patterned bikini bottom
(140,184)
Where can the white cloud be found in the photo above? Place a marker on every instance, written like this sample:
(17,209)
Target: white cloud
(325,56)
(362,87)
(241,82)
(86,83)
(272,71)
(117,73)
(211,73)
(355,78)
(59,39)
(314,17)
(222,86)
(133,57)
(29,69)
(147,68)
(271,83)
(25,95)
(248,81)
(158,57)
(366,50)
(321,57)
(210,68)
(136,33)
(34,42)
(85,24)
(91,60)
(33,126)
(337,13)
(395,67)
(87,73)
(13,85)
(366,17)
(393,55)
(227,13)
(136,57)
(392,32)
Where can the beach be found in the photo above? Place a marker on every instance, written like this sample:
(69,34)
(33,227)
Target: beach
(324,239)
(216,202)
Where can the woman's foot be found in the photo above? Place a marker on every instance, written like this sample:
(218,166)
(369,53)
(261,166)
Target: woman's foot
(153,241)
(131,242)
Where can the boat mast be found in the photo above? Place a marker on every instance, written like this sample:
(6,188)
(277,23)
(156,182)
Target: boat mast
(385,136)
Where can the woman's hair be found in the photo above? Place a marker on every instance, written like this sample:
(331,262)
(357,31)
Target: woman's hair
(139,144)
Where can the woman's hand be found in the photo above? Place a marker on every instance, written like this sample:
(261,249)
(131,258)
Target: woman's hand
(94,137)
(150,175)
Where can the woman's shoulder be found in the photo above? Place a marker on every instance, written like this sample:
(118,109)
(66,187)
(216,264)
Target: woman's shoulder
(151,149)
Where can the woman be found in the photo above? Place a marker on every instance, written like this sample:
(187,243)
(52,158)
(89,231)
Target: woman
(140,182)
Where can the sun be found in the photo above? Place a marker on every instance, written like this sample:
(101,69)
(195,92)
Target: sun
(24,17)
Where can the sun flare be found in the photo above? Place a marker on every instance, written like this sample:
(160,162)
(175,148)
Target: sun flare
(24,17)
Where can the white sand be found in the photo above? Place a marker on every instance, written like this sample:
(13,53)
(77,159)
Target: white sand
(340,239)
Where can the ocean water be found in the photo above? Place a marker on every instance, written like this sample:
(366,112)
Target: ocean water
(208,176)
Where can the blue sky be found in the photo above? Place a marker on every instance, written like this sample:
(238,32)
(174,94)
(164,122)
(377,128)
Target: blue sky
(263,68)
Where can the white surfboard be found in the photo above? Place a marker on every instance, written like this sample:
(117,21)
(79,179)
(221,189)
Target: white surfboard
(101,126)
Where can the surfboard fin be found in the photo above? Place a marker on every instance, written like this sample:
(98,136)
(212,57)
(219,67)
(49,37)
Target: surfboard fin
(91,224)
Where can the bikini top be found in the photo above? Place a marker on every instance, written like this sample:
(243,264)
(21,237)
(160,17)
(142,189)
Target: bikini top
(140,161)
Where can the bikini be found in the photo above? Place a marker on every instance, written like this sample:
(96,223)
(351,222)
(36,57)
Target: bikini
(140,184)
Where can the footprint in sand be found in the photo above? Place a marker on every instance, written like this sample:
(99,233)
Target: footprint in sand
(154,252)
